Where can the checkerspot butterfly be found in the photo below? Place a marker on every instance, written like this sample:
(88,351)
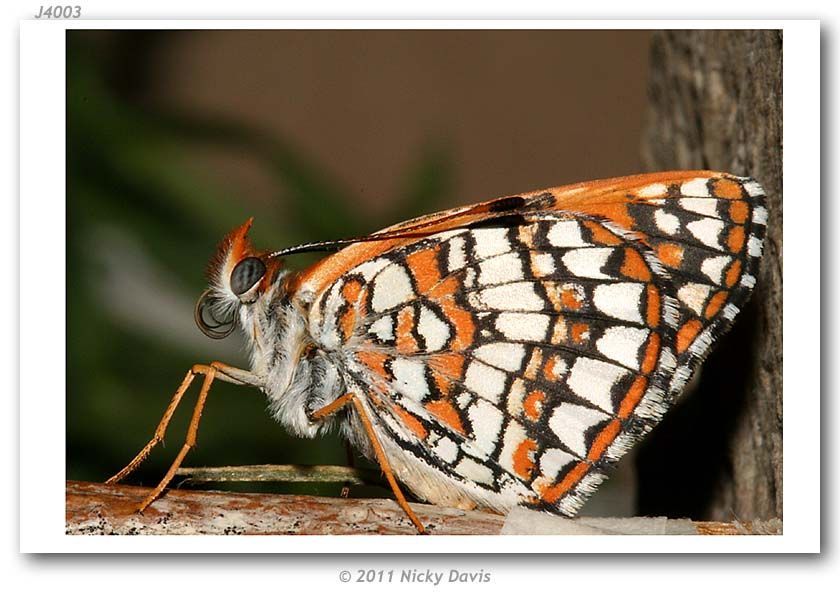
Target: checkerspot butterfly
(500,354)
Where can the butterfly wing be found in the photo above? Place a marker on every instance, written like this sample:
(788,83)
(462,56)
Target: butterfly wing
(508,351)
(708,230)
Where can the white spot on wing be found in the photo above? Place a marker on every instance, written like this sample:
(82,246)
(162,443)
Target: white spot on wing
(588,262)
(514,399)
(703,206)
(502,355)
(490,242)
(383,328)
(435,332)
(514,436)
(695,187)
(760,215)
(694,295)
(654,190)
(528,327)
(542,264)
(713,267)
(730,311)
(486,421)
(370,268)
(469,277)
(446,449)
(457,258)
(707,231)
(620,300)
(469,469)
(501,269)
(561,367)
(666,222)
(754,246)
(593,380)
(410,378)
(569,422)
(511,296)
(391,287)
(754,189)
(565,234)
(463,400)
(622,344)
(552,462)
(748,281)
(445,235)
(486,381)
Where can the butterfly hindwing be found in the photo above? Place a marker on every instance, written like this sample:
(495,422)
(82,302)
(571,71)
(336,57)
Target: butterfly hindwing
(708,230)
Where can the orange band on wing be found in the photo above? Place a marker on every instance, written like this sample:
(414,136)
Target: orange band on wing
(736,239)
(728,189)
(523,463)
(423,266)
(715,304)
(739,211)
(533,403)
(654,306)
(603,440)
(733,273)
(634,266)
(406,343)
(633,397)
(651,353)
(687,333)
(410,421)
(446,414)
(375,361)
(553,493)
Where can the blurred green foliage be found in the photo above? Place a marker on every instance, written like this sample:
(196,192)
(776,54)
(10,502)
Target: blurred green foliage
(129,172)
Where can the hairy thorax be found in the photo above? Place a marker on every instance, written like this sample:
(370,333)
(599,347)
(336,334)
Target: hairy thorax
(296,375)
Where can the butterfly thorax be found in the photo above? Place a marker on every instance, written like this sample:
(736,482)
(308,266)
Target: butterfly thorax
(297,376)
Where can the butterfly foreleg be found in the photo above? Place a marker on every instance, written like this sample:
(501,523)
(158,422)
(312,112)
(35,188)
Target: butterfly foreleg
(210,372)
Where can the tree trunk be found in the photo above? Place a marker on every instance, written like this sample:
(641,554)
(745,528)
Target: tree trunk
(716,103)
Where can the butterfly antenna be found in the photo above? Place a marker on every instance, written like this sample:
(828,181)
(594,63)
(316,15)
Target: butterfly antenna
(416,230)
(337,244)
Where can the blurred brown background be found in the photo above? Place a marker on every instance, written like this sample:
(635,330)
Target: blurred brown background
(174,137)
(517,110)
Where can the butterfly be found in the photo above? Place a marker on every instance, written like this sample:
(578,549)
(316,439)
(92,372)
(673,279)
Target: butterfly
(500,354)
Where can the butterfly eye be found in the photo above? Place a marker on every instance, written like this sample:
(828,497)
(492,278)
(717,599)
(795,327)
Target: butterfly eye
(245,274)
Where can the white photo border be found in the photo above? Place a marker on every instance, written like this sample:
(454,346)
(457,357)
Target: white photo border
(42,367)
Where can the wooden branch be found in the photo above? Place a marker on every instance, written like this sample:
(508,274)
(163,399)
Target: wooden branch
(99,509)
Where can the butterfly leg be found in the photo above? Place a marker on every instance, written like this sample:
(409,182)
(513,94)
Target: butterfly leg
(212,371)
(340,402)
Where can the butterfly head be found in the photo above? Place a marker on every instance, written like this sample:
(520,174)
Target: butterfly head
(239,275)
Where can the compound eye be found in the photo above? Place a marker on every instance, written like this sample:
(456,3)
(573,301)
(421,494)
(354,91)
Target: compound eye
(245,274)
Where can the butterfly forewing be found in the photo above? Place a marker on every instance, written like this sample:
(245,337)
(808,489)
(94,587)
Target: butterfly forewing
(515,348)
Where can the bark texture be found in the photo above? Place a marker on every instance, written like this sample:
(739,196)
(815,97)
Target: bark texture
(716,103)
(100,509)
